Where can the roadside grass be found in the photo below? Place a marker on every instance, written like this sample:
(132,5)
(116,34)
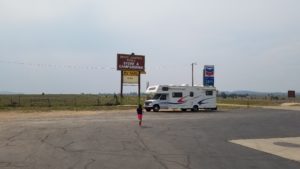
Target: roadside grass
(224,107)
(93,102)
(81,102)
(250,102)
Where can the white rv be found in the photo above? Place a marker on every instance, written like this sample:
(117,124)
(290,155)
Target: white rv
(181,97)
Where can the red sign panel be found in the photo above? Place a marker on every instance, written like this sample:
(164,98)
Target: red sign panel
(130,62)
(291,94)
(209,70)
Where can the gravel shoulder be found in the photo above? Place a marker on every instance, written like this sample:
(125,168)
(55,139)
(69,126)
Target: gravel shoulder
(15,115)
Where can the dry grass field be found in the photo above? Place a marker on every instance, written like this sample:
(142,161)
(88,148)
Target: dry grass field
(83,102)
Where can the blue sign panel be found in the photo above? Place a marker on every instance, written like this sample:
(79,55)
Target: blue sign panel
(208,81)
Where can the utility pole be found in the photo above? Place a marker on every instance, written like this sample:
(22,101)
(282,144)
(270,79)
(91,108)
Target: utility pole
(194,63)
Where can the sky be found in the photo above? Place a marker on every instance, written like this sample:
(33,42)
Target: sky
(71,46)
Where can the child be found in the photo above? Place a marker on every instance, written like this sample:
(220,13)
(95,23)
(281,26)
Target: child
(139,112)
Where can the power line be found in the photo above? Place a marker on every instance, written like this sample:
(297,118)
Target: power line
(74,67)
(57,66)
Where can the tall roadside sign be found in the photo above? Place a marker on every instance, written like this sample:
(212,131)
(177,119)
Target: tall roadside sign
(209,75)
(130,62)
(131,67)
(292,95)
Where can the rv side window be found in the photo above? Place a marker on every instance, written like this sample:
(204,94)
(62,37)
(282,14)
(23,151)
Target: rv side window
(191,94)
(163,97)
(157,96)
(177,94)
(165,88)
(209,93)
(152,88)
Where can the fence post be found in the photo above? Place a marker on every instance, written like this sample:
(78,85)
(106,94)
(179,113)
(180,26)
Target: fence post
(116,99)
(98,101)
(19,100)
(49,103)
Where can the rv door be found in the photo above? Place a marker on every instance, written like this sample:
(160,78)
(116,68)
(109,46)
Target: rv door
(164,101)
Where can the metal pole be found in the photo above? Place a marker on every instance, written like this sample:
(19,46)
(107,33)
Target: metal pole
(121,94)
(193,73)
(139,92)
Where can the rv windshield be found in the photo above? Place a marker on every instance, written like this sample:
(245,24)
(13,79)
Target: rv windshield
(156,97)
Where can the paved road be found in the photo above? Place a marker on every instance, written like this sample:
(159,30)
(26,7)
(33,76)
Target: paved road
(168,140)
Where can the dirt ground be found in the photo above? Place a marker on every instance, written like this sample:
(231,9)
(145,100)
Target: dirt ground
(285,106)
(12,115)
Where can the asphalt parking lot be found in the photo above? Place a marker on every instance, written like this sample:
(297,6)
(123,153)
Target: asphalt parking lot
(167,140)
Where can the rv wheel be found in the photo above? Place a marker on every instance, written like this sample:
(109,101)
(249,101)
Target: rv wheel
(156,108)
(195,108)
(183,109)
(148,109)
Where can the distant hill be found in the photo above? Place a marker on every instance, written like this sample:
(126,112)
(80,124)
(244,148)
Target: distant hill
(253,93)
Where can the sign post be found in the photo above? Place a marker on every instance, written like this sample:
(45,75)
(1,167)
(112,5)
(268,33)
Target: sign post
(131,66)
(121,93)
(139,90)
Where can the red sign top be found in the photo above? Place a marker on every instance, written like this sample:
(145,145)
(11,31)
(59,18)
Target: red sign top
(209,70)
(130,62)
(291,94)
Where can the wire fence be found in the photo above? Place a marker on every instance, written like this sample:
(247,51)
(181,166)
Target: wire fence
(93,100)
(65,100)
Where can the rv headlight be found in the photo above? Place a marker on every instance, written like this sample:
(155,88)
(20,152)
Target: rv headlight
(148,103)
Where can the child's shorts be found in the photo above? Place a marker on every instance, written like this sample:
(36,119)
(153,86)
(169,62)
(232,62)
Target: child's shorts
(140,116)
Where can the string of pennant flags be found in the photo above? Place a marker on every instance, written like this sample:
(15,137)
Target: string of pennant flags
(74,67)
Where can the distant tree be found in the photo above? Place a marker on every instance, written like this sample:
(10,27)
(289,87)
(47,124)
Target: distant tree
(233,96)
(223,95)
(274,98)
